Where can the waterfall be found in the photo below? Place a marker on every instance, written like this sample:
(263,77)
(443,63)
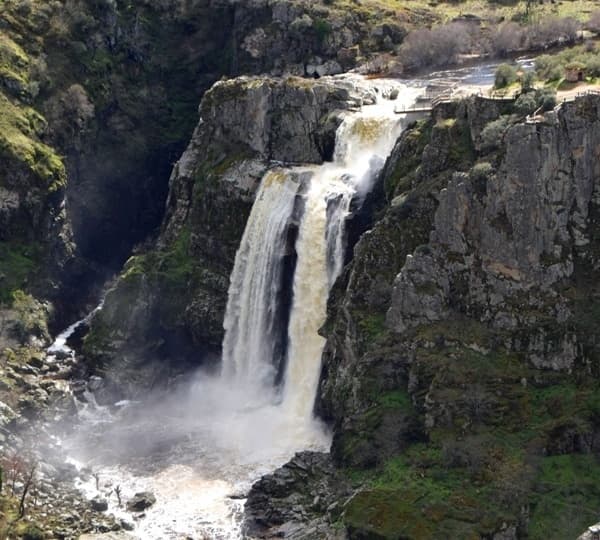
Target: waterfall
(251,321)
(320,258)
(363,141)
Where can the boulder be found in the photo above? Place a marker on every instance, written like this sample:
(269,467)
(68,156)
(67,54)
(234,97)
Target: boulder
(99,504)
(140,501)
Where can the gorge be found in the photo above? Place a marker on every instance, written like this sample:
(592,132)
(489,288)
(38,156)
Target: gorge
(255,414)
(302,312)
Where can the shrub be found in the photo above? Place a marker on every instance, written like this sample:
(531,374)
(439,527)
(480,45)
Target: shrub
(481,171)
(549,67)
(505,76)
(322,29)
(553,30)
(493,132)
(592,65)
(527,81)
(506,38)
(546,98)
(439,46)
(33,532)
(525,104)
(589,45)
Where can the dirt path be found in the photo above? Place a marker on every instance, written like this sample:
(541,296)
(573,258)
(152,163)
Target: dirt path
(579,88)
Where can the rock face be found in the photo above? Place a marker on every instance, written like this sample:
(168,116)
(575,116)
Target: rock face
(169,302)
(462,329)
(299,500)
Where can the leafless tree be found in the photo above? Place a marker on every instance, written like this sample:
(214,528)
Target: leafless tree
(28,481)
(506,38)
(439,46)
(553,30)
(118,494)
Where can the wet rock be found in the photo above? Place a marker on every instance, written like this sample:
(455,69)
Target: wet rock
(591,533)
(469,269)
(126,525)
(99,504)
(293,499)
(140,501)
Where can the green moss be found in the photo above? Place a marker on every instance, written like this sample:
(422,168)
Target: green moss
(322,28)
(232,157)
(404,501)
(18,263)
(18,141)
(14,64)
(465,330)
(396,399)
(31,315)
(372,325)
(462,152)
(32,532)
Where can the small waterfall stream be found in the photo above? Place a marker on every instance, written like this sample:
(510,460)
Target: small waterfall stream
(196,450)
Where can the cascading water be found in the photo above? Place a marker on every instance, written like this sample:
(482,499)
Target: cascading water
(231,429)
(250,343)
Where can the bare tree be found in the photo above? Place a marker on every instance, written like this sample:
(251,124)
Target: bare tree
(439,46)
(28,481)
(118,494)
(506,38)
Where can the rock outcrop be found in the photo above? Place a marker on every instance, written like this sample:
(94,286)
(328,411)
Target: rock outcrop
(462,328)
(299,500)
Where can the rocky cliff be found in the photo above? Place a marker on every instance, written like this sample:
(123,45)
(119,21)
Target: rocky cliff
(460,373)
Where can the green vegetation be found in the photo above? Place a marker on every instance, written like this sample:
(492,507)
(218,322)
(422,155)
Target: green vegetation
(31,315)
(396,399)
(18,263)
(505,76)
(567,496)
(552,68)
(414,140)
(373,325)
(481,171)
(494,131)
(322,28)
(20,127)
(174,266)
(484,458)
(525,104)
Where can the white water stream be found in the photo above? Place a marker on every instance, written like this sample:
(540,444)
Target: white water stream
(219,434)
